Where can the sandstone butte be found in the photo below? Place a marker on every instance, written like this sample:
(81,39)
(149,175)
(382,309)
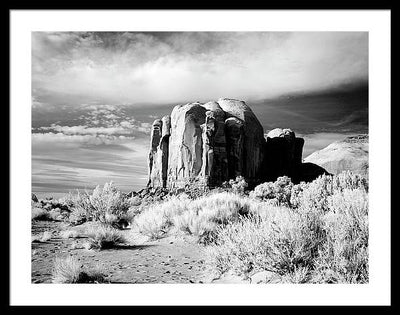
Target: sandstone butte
(218,141)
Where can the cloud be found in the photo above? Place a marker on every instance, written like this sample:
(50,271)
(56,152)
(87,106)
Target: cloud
(84,130)
(94,120)
(172,67)
(67,140)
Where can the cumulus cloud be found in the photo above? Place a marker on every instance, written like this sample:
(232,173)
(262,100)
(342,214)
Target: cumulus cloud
(172,67)
(73,139)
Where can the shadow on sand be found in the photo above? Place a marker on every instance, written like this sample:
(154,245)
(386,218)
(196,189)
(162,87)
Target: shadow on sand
(127,247)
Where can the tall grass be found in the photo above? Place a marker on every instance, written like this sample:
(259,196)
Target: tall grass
(197,217)
(156,220)
(69,270)
(103,237)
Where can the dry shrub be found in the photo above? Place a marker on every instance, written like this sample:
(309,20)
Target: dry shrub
(108,201)
(104,237)
(156,220)
(56,215)
(344,257)
(40,214)
(278,191)
(198,217)
(152,223)
(317,193)
(198,225)
(237,185)
(105,204)
(308,195)
(321,241)
(280,241)
(69,270)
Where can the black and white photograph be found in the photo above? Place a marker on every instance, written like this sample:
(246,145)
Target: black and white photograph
(200,157)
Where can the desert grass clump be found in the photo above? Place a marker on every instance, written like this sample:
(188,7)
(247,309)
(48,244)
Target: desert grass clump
(197,217)
(40,214)
(207,213)
(156,220)
(152,223)
(104,237)
(69,234)
(69,270)
(66,270)
(222,207)
(197,224)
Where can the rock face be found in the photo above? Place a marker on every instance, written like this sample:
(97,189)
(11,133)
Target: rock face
(185,157)
(251,142)
(349,154)
(215,159)
(159,148)
(283,153)
(218,141)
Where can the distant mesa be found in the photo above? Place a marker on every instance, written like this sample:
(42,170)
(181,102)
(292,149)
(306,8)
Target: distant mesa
(218,141)
(348,154)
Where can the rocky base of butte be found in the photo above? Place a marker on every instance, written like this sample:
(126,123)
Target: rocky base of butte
(218,141)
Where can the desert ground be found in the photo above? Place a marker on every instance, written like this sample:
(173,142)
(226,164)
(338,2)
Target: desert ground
(167,260)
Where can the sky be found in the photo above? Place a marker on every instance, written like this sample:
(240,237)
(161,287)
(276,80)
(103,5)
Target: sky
(95,95)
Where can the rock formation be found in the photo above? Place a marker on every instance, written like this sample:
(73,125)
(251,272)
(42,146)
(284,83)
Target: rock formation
(283,154)
(218,141)
(253,137)
(185,157)
(235,134)
(348,154)
(159,149)
(215,160)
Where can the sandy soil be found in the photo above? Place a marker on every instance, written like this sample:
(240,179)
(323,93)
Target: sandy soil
(169,260)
